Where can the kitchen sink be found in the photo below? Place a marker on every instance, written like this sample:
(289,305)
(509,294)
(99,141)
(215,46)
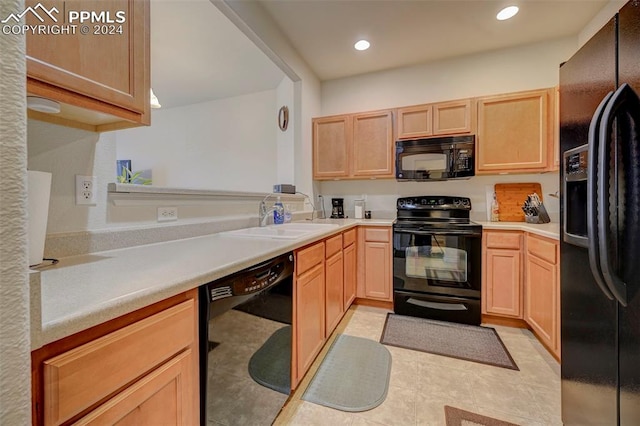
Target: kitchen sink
(286,231)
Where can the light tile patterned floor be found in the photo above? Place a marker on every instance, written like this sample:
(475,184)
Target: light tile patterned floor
(422,384)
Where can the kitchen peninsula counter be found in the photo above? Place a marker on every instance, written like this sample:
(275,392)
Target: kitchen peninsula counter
(86,290)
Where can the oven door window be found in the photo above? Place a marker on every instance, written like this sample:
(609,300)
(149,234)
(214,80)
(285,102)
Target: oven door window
(437,262)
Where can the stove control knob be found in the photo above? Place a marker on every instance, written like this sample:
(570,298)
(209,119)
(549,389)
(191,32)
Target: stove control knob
(401,203)
(441,201)
(465,202)
(457,202)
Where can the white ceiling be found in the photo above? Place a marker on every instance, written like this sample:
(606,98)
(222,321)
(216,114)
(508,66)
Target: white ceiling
(197,54)
(406,32)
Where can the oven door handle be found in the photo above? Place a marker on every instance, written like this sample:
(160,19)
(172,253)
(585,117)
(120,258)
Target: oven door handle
(439,232)
(438,305)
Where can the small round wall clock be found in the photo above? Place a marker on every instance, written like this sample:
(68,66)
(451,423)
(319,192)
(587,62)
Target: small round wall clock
(283,118)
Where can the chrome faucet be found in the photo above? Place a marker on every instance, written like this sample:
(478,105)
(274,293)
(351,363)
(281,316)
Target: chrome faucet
(263,212)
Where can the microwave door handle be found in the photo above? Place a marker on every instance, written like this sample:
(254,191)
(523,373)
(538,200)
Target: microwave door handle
(623,100)
(592,205)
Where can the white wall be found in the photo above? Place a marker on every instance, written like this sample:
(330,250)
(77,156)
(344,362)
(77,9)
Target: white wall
(599,20)
(382,194)
(286,139)
(65,152)
(15,365)
(227,144)
(256,23)
(507,70)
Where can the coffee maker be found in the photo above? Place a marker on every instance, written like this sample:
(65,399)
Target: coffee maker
(337,208)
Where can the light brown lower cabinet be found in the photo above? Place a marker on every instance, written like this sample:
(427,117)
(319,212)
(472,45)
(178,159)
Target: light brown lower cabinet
(141,368)
(375,280)
(161,397)
(521,282)
(350,273)
(324,289)
(309,321)
(502,275)
(542,291)
(334,285)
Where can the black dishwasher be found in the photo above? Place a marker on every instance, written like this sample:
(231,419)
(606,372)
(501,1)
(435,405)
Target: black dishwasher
(245,344)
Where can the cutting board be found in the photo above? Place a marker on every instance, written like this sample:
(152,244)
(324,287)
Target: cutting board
(511,198)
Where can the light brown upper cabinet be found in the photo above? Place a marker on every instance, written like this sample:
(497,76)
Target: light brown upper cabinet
(444,118)
(331,145)
(353,146)
(373,145)
(515,132)
(101,77)
(415,122)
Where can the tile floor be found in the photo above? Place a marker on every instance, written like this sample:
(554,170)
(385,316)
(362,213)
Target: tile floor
(422,384)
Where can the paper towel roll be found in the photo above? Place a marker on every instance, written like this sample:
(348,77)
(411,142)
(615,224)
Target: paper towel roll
(39,190)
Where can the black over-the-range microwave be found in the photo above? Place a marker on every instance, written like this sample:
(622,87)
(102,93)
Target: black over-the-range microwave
(450,157)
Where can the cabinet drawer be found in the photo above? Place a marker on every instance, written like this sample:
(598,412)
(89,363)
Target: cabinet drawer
(333,245)
(544,249)
(376,234)
(309,257)
(511,240)
(79,378)
(348,237)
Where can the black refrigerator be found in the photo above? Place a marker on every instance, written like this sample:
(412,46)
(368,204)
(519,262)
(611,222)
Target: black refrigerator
(600,226)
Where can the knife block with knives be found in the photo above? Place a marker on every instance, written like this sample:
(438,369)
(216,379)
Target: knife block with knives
(511,199)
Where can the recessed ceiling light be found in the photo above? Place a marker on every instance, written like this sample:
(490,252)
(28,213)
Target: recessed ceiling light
(362,45)
(507,12)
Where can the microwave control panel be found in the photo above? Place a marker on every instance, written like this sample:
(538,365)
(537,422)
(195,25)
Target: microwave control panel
(464,160)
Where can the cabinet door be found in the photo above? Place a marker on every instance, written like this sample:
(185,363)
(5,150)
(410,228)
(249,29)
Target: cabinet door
(162,397)
(310,324)
(415,122)
(514,132)
(334,291)
(112,69)
(77,379)
(373,150)
(331,141)
(451,118)
(503,282)
(350,273)
(541,303)
(377,270)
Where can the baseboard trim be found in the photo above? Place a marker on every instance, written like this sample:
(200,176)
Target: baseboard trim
(375,303)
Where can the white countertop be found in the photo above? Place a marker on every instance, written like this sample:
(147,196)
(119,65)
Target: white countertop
(82,291)
(549,230)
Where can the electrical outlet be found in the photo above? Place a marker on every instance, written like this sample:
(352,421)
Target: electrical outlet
(166,214)
(86,190)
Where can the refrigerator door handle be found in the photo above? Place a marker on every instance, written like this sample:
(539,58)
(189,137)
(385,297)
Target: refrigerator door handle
(592,204)
(624,99)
